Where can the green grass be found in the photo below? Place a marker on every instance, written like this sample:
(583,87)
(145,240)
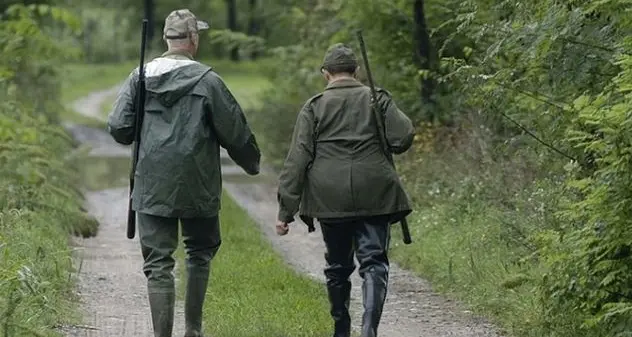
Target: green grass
(253,292)
(80,80)
(39,207)
(475,234)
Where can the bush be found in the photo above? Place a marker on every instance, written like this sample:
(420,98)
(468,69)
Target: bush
(40,204)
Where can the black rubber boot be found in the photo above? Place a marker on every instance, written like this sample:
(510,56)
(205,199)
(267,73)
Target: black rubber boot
(374,291)
(162,307)
(197,282)
(339,295)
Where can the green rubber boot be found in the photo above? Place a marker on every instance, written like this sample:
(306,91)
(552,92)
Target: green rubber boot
(162,305)
(197,282)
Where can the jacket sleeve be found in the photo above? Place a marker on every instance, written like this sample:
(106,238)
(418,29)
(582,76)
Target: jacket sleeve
(231,127)
(300,155)
(399,130)
(122,118)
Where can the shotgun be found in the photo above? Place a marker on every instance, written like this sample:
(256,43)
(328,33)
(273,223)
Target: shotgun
(380,127)
(140,110)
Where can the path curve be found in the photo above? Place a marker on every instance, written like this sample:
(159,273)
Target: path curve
(412,308)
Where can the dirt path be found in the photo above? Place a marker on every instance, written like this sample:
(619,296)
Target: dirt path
(113,288)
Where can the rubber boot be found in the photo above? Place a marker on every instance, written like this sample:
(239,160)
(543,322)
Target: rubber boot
(374,291)
(162,307)
(339,295)
(197,282)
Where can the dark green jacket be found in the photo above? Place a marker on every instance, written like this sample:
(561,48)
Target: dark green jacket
(189,114)
(336,167)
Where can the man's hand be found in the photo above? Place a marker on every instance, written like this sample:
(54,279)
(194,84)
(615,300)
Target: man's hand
(282,228)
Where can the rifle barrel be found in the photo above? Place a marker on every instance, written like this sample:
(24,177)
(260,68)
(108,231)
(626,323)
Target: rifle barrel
(140,107)
(404,223)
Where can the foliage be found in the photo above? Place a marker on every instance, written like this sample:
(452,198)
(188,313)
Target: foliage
(29,74)
(108,35)
(224,40)
(591,262)
(39,201)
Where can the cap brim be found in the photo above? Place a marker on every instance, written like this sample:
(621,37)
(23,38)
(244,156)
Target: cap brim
(202,25)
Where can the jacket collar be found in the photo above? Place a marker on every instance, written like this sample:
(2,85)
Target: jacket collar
(344,83)
(178,54)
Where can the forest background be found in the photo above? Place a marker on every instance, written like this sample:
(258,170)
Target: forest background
(521,171)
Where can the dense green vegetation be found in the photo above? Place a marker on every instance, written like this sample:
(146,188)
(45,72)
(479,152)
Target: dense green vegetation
(520,169)
(40,204)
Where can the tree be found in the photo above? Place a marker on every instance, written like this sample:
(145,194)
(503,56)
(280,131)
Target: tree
(423,55)
(253,24)
(231,7)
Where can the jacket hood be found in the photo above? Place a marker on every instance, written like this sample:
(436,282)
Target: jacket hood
(168,79)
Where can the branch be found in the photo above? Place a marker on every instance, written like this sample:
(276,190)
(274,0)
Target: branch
(534,136)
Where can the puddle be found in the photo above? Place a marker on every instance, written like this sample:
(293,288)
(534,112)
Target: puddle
(235,177)
(98,173)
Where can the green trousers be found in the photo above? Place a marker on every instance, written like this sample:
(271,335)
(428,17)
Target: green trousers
(159,240)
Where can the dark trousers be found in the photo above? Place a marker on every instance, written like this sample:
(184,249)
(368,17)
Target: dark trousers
(159,241)
(367,239)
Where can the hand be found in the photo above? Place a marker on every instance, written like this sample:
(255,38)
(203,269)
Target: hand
(282,228)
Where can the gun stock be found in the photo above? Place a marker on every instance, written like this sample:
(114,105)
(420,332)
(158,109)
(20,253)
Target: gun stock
(380,127)
(140,110)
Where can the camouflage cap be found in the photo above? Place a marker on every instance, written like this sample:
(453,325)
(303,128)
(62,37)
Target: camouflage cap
(181,22)
(339,55)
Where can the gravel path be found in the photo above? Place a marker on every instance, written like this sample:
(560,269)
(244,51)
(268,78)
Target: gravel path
(113,288)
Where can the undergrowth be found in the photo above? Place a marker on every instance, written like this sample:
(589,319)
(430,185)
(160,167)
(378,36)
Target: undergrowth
(40,204)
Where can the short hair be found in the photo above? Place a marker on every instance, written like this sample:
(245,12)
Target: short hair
(341,68)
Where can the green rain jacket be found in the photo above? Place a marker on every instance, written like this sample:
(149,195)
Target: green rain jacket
(189,114)
(336,167)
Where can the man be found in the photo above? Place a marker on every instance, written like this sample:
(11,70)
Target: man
(337,171)
(189,113)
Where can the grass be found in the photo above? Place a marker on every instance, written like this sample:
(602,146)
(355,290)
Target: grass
(81,79)
(253,292)
(475,232)
(39,207)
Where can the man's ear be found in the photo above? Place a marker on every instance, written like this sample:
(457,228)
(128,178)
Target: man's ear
(356,74)
(326,74)
(195,38)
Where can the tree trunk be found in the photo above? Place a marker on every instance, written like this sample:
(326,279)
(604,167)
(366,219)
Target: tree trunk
(424,53)
(253,24)
(231,7)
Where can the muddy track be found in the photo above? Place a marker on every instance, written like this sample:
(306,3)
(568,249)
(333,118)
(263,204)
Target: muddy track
(112,286)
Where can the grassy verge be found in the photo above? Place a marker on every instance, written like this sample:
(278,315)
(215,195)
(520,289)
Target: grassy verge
(476,228)
(39,207)
(253,292)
